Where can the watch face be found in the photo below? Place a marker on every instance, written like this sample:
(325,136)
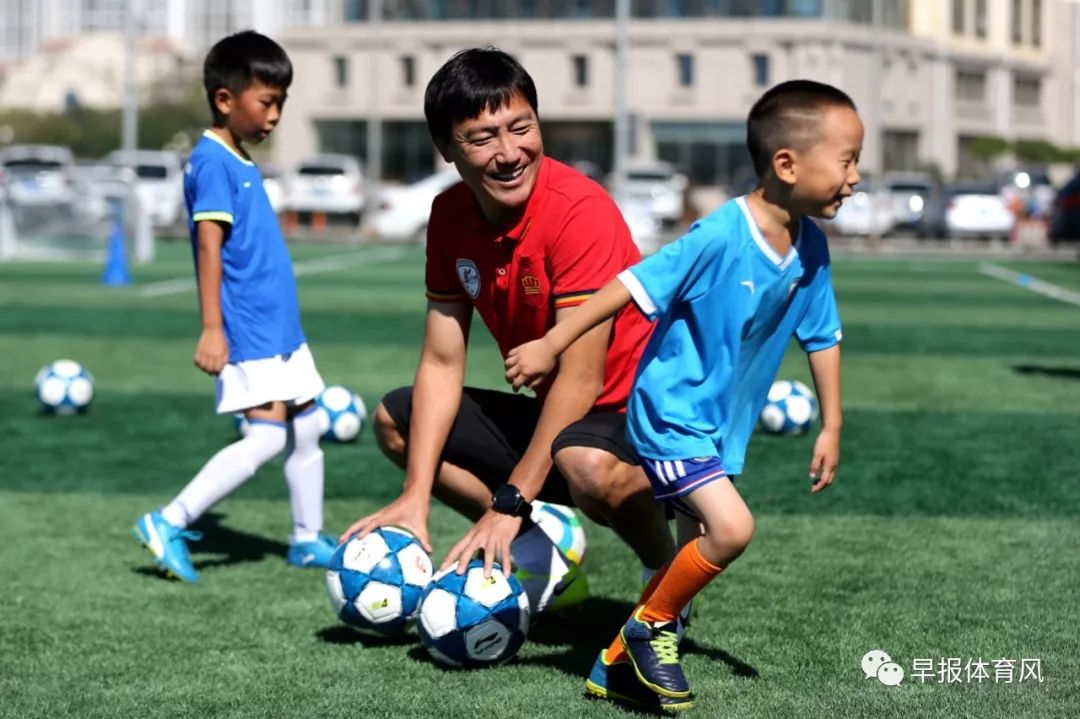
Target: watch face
(507,499)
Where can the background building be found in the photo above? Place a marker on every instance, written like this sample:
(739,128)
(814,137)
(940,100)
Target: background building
(928,75)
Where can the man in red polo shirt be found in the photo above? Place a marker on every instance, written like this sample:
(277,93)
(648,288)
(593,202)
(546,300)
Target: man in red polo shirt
(523,240)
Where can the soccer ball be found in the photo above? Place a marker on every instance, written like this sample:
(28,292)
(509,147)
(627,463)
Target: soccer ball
(240,424)
(375,583)
(790,409)
(341,414)
(467,620)
(561,524)
(547,558)
(64,387)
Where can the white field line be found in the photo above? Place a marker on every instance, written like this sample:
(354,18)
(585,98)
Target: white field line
(300,269)
(1030,283)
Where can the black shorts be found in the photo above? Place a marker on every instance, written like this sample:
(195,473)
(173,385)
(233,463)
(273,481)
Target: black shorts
(493,429)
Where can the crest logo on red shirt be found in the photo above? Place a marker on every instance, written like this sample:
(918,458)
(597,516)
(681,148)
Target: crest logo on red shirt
(469,276)
(531,285)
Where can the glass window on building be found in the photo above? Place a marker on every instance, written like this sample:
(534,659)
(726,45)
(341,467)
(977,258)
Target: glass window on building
(341,71)
(709,153)
(1036,23)
(581,70)
(408,70)
(970,85)
(900,150)
(1027,91)
(1017,18)
(761,69)
(407,156)
(980,19)
(959,15)
(685,64)
(585,145)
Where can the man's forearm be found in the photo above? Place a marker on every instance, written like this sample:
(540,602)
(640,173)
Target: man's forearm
(569,399)
(436,399)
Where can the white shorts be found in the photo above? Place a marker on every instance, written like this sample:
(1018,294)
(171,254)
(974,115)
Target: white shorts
(291,378)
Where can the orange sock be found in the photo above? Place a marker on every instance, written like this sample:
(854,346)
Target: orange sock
(615,651)
(687,575)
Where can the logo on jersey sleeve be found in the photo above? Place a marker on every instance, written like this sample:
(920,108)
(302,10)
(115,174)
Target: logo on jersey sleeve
(469,276)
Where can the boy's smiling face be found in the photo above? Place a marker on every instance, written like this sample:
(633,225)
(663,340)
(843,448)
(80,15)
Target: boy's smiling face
(254,113)
(825,172)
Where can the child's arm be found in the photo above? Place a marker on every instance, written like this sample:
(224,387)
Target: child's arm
(825,368)
(212,350)
(529,364)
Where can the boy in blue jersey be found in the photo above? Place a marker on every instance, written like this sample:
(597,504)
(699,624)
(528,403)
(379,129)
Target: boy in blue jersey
(251,339)
(727,297)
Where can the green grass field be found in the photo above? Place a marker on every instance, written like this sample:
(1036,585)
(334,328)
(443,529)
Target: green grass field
(952,529)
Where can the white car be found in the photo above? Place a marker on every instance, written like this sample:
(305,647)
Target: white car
(977,211)
(402,214)
(660,187)
(644,226)
(330,183)
(159,183)
(274,185)
(38,175)
(910,193)
(869,211)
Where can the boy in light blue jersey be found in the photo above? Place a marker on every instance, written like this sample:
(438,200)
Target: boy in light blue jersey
(251,340)
(727,298)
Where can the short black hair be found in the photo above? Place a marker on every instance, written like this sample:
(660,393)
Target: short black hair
(237,61)
(470,82)
(787,116)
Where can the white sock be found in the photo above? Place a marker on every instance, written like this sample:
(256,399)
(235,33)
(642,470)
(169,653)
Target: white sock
(304,475)
(226,471)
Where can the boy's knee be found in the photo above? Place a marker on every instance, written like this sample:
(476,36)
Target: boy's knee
(730,535)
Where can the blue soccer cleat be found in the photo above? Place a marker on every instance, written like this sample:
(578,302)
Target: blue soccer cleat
(168,544)
(654,653)
(315,553)
(616,681)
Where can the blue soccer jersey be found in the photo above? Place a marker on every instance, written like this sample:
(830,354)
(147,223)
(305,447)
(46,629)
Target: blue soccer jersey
(258,289)
(726,305)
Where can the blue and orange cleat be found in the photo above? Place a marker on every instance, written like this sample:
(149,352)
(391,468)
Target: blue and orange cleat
(315,553)
(654,654)
(168,544)
(616,681)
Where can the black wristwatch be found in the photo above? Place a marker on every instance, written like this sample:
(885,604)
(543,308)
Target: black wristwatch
(508,500)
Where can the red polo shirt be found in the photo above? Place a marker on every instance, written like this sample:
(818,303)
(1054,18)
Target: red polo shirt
(570,242)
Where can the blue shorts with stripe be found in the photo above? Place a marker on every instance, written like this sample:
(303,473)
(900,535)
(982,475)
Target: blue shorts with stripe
(673,479)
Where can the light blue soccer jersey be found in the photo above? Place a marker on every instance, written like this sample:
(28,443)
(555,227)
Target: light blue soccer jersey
(258,289)
(726,305)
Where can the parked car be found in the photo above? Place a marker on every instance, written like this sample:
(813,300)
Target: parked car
(159,183)
(326,183)
(96,183)
(38,175)
(1065,214)
(968,210)
(909,193)
(869,211)
(645,227)
(659,186)
(274,184)
(403,210)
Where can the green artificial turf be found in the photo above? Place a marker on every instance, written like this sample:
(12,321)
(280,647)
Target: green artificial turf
(951,532)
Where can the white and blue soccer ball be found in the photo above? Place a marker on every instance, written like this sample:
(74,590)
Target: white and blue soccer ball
(563,526)
(375,584)
(547,558)
(64,387)
(341,414)
(241,424)
(468,620)
(791,408)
